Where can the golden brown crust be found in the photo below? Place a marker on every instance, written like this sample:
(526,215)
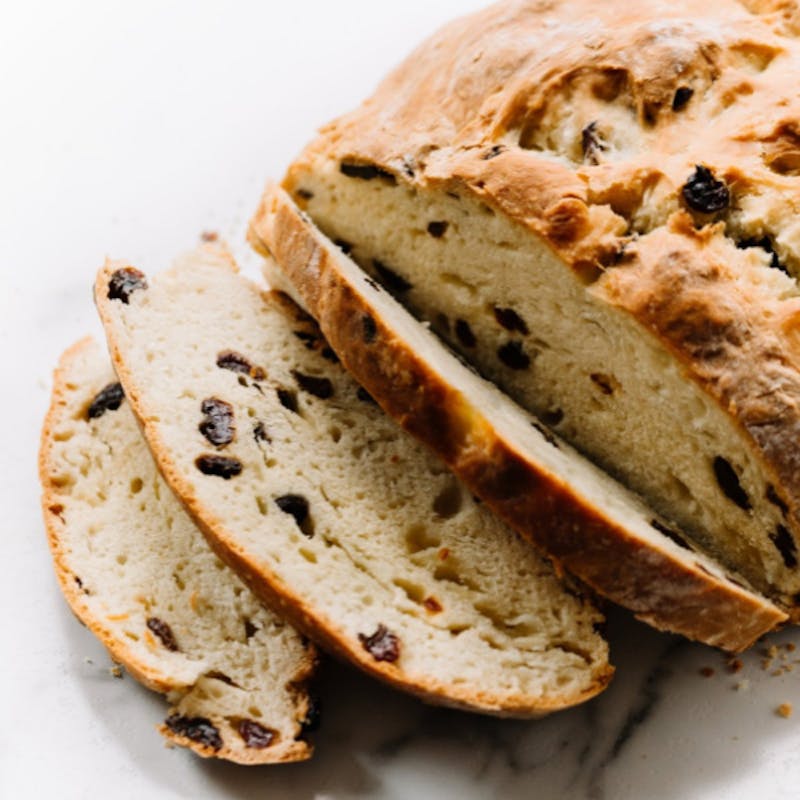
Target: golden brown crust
(120,653)
(671,593)
(285,599)
(500,105)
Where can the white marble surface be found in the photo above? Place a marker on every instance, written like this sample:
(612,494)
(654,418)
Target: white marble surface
(127,129)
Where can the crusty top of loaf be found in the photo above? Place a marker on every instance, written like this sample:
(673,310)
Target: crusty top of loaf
(584,121)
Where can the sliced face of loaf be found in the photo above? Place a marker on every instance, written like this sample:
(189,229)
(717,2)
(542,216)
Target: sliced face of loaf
(547,491)
(330,511)
(611,239)
(139,574)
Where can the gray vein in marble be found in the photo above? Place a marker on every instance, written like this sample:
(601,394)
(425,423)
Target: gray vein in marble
(649,696)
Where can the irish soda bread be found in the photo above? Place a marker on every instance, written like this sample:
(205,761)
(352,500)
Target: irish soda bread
(540,485)
(139,574)
(597,204)
(330,511)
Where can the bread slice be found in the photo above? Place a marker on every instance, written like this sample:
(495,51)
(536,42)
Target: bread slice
(140,576)
(541,486)
(328,509)
(607,237)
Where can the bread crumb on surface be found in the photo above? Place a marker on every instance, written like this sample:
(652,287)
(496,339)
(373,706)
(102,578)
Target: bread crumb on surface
(209,236)
(743,685)
(707,672)
(784,710)
(735,665)
(116,671)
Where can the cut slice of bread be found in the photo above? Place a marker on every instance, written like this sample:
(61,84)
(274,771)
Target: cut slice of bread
(542,487)
(138,573)
(330,511)
(609,237)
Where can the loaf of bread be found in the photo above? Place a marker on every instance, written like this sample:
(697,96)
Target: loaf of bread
(328,510)
(547,491)
(140,576)
(596,204)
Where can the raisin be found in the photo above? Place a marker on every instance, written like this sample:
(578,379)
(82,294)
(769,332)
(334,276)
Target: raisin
(313,716)
(513,356)
(553,418)
(221,466)
(363,395)
(319,387)
(256,736)
(107,399)
(592,144)
(510,320)
(785,543)
(395,283)
(236,362)
(164,632)
(288,399)
(438,229)
(704,193)
(603,382)
(775,499)
(683,94)
(365,172)
(260,433)
(465,334)
(198,729)
(765,243)
(124,282)
(669,533)
(369,328)
(344,246)
(382,645)
(493,152)
(728,481)
(432,605)
(296,505)
(329,355)
(218,426)
(309,339)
